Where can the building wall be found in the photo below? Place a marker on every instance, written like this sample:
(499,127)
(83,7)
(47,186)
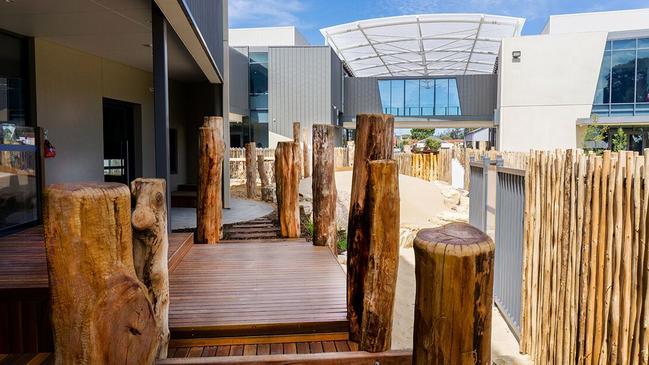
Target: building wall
(609,21)
(541,97)
(299,87)
(239,82)
(336,86)
(477,94)
(265,37)
(70,86)
(361,96)
(206,14)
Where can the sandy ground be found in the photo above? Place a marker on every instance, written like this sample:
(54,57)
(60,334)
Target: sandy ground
(422,204)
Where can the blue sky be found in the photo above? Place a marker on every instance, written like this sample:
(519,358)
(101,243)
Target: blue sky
(311,15)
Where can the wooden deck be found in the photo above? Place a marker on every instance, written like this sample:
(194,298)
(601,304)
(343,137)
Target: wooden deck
(23,264)
(257,288)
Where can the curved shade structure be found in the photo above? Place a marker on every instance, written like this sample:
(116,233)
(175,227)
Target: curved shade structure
(422,45)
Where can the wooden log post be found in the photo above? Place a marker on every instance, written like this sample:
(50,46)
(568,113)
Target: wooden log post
(305,152)
(383,246)
(287,179)
(150,248)
(211,154)
(323,186)
(454,280)
(251,176)
(101,312)
(266,188)
(374,135)
(297,138)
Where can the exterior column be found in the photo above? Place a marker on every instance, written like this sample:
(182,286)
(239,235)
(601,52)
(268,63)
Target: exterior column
(161,100)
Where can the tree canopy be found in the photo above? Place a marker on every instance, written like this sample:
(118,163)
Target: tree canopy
(419,133)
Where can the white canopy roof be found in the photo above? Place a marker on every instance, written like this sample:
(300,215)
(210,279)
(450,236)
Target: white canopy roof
(422,45)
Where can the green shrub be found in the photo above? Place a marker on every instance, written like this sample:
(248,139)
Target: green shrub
(342,241)
(433,144)
(619,141)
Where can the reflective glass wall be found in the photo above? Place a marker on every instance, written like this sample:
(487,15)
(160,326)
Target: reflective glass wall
(258,99)
(622,87)
(420,97)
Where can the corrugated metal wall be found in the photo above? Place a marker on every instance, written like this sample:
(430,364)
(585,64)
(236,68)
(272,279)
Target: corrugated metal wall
(239,81)
(336,85)
(208,15)
(361,96)
(299,87)
(478,94)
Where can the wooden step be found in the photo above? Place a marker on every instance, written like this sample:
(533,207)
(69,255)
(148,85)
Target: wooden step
(310,354)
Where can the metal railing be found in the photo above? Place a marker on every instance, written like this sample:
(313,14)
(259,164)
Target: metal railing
(510,206)
(478,193)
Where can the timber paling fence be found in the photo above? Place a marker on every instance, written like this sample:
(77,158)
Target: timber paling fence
(343,158)
(585,276)
(426,166)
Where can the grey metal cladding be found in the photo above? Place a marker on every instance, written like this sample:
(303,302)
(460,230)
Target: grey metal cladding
(336,84)
(299,87)
(361,96)
(208,17)
(239,81)
(478,94)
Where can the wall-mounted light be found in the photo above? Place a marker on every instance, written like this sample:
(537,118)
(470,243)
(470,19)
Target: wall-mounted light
(516,56)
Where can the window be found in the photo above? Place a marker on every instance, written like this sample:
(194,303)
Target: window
(420,97)
(258,97)
(623,85)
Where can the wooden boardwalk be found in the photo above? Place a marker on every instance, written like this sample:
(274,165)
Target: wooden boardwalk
(257,288)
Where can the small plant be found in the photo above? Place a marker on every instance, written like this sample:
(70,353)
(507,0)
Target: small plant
(595,136)
(433,144)
(619,141)
(309,229)
(342,241)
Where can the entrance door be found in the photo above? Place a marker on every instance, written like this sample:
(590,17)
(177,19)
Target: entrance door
(119,141)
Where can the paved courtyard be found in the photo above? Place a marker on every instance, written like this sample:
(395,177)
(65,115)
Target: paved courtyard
(241,210)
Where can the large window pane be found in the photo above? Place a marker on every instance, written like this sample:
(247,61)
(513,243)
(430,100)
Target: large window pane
(441,96)
(643,43)
(384,92)
(602,93)
(396,97)
(624,44)
(258,57)
(622,76)
(258,78)
(453,98)
(412,98)
(642,78)
(259,101)
(427,97)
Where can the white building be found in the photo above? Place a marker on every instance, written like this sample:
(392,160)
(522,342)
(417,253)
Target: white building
(549,85)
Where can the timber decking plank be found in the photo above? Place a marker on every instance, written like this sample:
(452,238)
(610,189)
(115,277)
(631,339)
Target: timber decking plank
(302,348)
(276,349)
(257,288)
(223,350)
(23,264)
(289,348)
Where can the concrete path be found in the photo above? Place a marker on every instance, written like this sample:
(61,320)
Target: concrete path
(241,210)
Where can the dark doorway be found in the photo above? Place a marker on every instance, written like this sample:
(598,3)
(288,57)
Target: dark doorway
(119,141)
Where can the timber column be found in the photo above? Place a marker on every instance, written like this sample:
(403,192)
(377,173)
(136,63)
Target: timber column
(251,176)
(287,180)
(374,135)
(323,186)
(211,152)
(453,304)
(101,312)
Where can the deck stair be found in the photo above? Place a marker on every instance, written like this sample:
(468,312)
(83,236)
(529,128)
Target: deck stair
(258,229)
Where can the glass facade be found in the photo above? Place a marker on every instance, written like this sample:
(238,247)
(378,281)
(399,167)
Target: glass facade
(420,97)
(622,86)
(258,98)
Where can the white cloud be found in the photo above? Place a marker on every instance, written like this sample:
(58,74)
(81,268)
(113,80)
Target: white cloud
(264,12)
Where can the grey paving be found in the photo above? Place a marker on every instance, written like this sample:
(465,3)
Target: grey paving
(241,210)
